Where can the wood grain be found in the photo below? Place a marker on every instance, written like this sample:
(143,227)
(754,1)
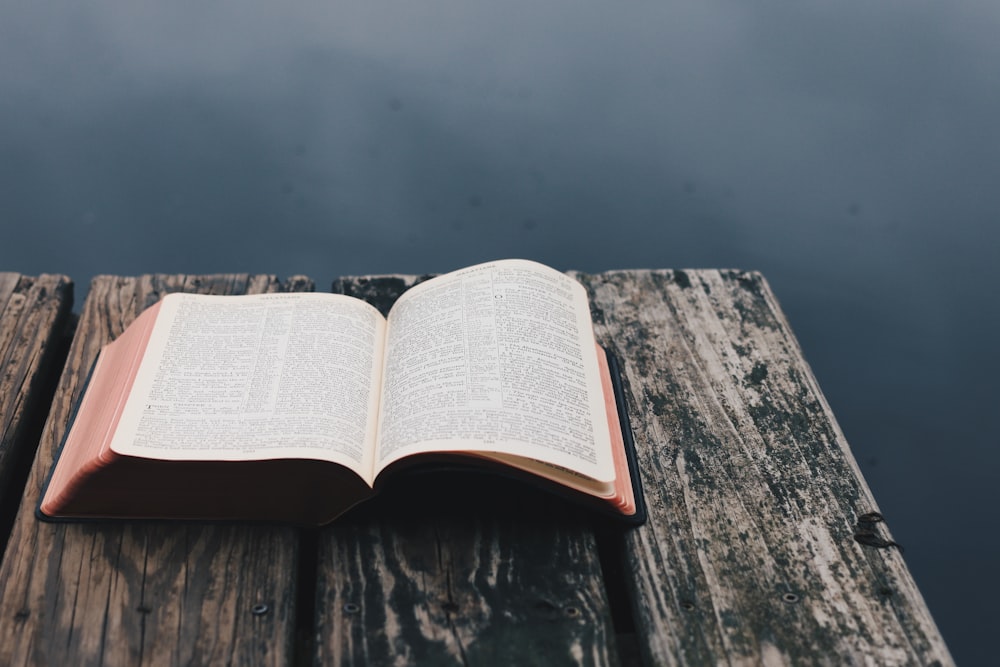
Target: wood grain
(142,593)
(34,323)
(459,573)
(434,587)
(761,546)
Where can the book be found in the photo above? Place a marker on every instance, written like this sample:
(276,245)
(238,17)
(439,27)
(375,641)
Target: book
(295,407)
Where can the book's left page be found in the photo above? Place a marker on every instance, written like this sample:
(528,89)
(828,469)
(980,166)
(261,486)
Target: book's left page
(257,377)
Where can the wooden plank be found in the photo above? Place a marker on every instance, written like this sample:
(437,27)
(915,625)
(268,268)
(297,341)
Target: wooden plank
(761,547)
(458,573)
(142,593)
(427,584)
(34,320)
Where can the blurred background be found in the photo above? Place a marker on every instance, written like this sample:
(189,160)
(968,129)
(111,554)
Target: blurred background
(850,151)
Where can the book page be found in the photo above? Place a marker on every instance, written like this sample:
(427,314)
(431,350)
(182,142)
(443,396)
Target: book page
(257,377)
(498,357)
(620,494)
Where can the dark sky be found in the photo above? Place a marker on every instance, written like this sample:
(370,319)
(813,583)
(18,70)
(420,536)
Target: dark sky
(850,151)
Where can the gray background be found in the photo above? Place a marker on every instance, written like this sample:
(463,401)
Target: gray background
(848,150)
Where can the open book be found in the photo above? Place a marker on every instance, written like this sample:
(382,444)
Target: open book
(297,406)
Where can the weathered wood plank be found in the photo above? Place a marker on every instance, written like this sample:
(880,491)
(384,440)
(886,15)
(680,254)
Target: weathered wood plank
(34,319)
(131,593)
(760,548)
(426,585)
(512,579)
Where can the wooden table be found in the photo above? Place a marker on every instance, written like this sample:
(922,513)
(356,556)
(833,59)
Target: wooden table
(763,544)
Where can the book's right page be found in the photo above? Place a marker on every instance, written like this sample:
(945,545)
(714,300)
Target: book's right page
(499,357)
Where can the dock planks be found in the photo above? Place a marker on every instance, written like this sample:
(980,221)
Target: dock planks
(764,544)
